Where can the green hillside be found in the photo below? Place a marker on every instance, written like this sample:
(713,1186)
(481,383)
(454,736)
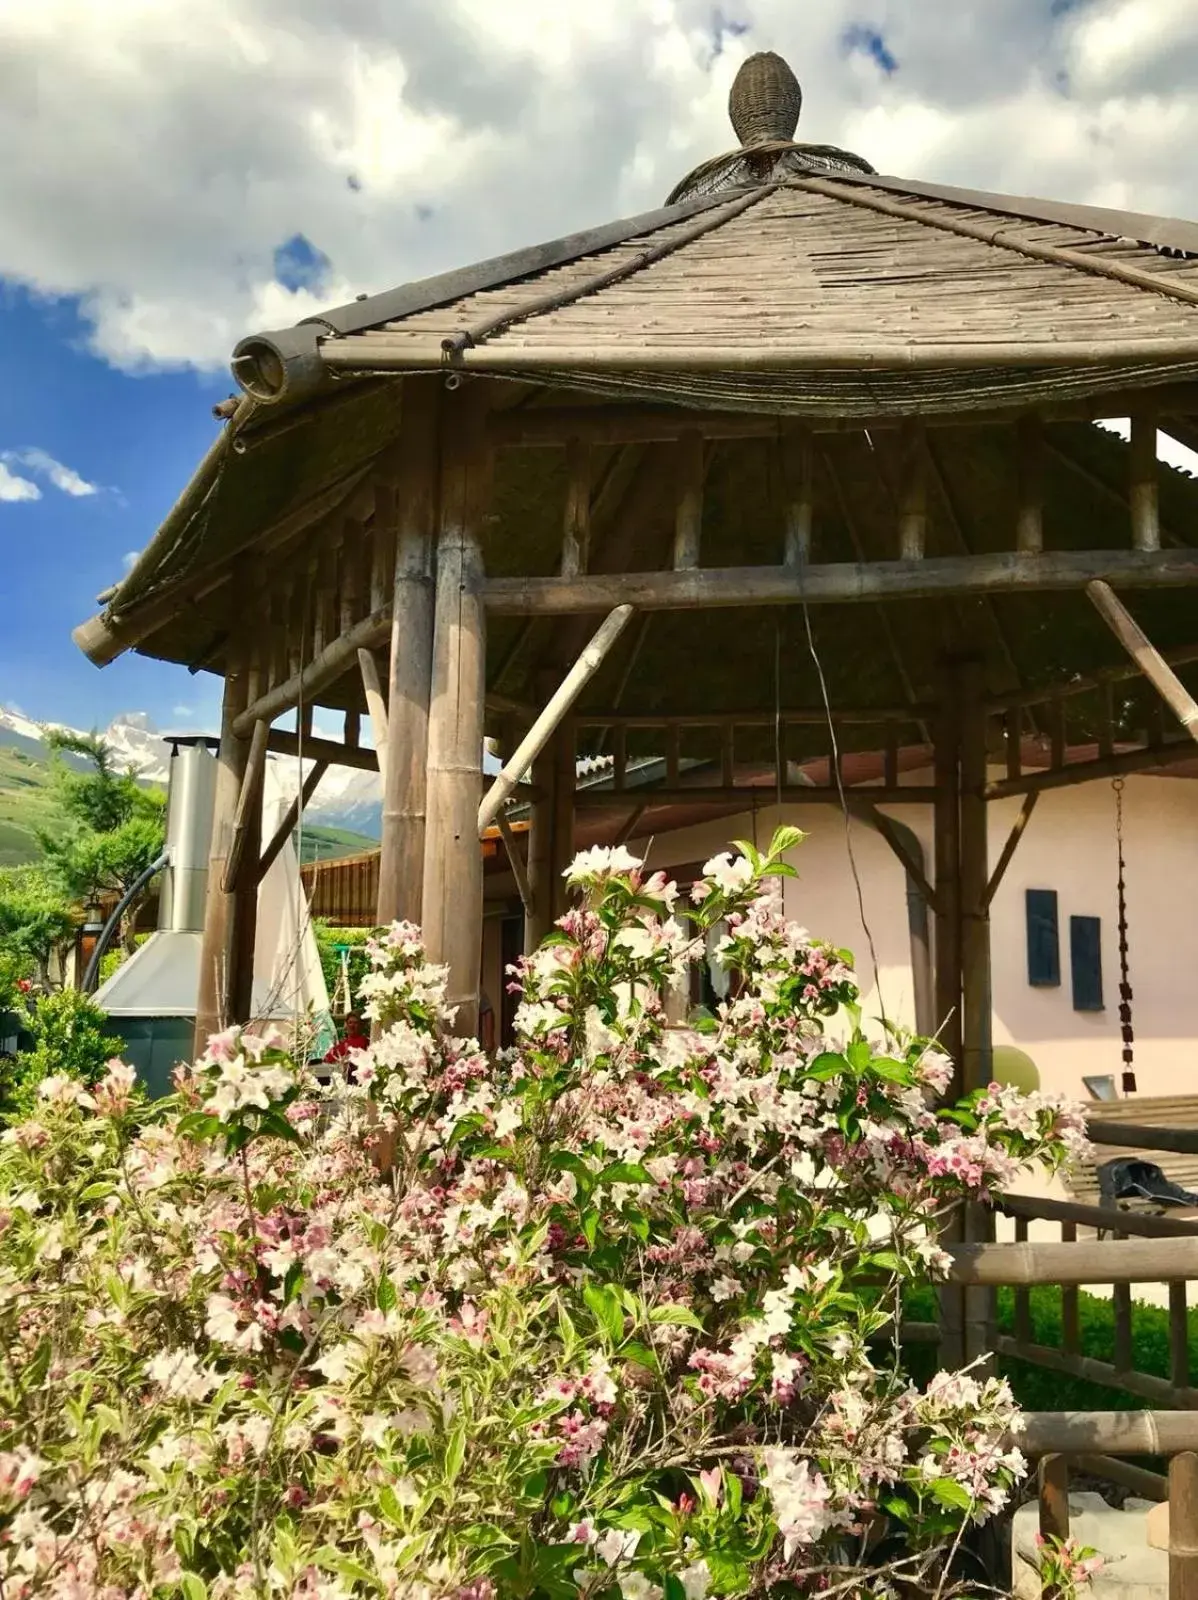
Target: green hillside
(26,804)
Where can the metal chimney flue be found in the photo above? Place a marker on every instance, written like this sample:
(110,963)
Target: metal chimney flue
(190,801)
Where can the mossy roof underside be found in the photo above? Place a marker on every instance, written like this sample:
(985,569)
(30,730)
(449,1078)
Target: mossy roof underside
(800,268)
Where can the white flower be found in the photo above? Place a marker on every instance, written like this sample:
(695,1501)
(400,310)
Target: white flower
(725,1288)
(617,1544)
(601,863)
(729,875)
(179,1373)
(696,1580)
(338,1363)
(635,1586)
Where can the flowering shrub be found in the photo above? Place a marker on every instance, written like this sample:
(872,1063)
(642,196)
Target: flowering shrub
(606,1325)
(1067,1567)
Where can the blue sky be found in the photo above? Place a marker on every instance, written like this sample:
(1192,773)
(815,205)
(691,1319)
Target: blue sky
(189,175)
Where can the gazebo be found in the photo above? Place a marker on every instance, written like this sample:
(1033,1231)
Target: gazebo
(799,467)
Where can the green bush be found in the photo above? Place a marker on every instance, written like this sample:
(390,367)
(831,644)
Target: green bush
(329,940)
(69,1041)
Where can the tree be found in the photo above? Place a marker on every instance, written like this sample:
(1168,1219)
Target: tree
(111,827)
(35,924)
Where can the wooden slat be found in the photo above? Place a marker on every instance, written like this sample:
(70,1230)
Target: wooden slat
(1071,1338)
(1023,1299)
(1179,1336)
(1145,1386)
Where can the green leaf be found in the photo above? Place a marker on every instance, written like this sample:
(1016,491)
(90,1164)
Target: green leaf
(291,1283)
(455,1452)
(590,1227)
(35,1373)
(826,1066)
(625,1172)
(385,1298)
(604,1305)
(193,1586)
(199,1125)
(675,1317)
(951,1493)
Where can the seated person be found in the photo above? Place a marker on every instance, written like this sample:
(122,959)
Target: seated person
(352,1038)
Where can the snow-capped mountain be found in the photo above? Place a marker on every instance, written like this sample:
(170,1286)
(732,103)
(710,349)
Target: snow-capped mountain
(346,798)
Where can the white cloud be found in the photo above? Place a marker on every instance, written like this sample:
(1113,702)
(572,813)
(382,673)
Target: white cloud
(65,479)
(13,487)
(400,138)
(183,711)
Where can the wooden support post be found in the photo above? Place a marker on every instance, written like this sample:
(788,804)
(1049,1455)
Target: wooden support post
(539,919)
(1183,1526)
(216,949)
(798,488)
(576,535)
(249,804)
(376,703)
(913,507)
(1008,851)
(1179,1336)
(1149,660)
(404,764)
(689,515)
(579,675)
(565,765)
(947,827)
(1145,482)
(453,861)
(1029,526)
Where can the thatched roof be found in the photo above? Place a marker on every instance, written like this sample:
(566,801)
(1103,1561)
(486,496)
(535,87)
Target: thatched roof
(819,291)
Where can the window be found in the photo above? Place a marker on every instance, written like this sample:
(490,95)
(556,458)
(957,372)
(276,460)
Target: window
(1085,957)
(1043,939)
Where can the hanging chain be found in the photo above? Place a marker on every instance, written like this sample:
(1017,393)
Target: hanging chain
(1125,996)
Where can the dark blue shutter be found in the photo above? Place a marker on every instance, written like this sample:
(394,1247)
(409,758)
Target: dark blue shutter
(1085,952)
(1043,939)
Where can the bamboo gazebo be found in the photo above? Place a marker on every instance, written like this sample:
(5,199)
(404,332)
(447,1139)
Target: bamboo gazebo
(807,428)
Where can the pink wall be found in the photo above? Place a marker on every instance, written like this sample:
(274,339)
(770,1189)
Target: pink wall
(1070,847)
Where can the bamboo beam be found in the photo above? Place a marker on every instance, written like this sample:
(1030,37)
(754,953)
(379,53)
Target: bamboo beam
(1140,1136)
(1148,1485)
(1149,759)
(539,919)
(1149,660)
(410,665)
(1145,481)
(841,583)
(913,494)
(1029,525)
(453,863)
(542,730)
(249,799)
(1114,1433)
(1008,850)
(1183,656)
(1140,1224)
(576,535)
(564,752)
(1157,1391)
(283,743)
(800,716)
(216,945)
(1089,1261)
(688,516)
(376,701)
(330,664)
(290,818)
(747,795)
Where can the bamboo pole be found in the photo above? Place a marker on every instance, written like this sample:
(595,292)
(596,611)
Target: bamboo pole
(216,942)
(947,950)
(576,535)
(1029,526)
(1088,1261)
(542,730)
(1113,1433)
(329,751)
(840,583)
(797,453)
(249,801)
(744,794)
(1183,1526)
(688,520)
(1147,759)
(453,863)
(404,770)
(1145,481)
(1141,650)
(376,702)
(1137,1224)
(564,760)
(519,871)
(332,661)
(913,505)
(539,918)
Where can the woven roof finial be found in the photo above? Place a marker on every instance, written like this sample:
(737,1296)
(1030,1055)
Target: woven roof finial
(765,101)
